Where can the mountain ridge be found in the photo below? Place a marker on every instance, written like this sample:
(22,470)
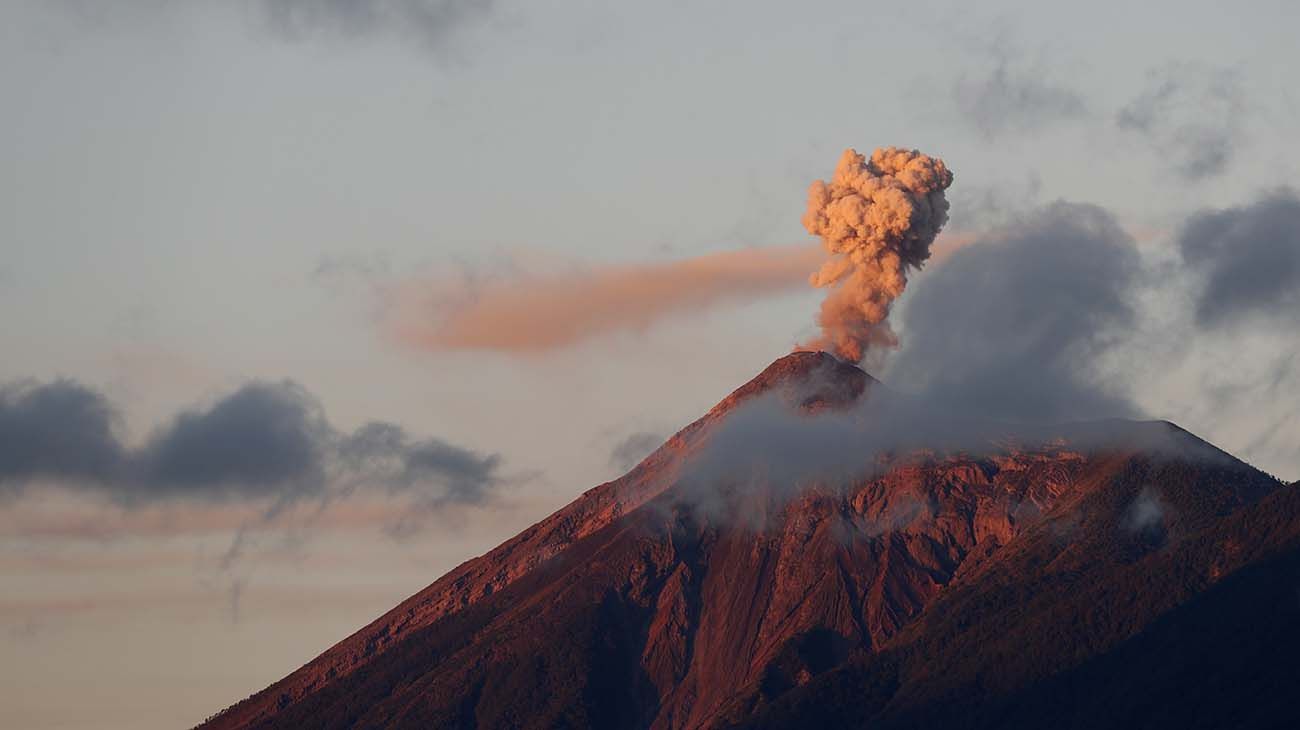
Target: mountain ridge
(634,606)
(472,579)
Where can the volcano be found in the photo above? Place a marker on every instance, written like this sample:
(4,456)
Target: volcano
(1117,574)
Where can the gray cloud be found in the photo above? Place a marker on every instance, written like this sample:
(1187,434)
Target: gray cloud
(427,21)
(384,453)
(1242,267)
(770,446)
(1191,115)
(264,436)
(1146,513)
(58,430)
(631,450)
(1014,327)
(986,207)
(338,271)
(1248,259)
(1013,97)
(265,440)
(1040,322)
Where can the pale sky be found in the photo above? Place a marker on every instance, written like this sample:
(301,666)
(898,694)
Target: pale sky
(199,195)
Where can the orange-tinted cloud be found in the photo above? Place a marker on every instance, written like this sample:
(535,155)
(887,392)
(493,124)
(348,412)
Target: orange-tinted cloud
(536,313)
(877,219)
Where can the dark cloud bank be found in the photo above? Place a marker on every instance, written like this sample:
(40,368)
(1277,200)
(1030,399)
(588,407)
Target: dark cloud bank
(263,441)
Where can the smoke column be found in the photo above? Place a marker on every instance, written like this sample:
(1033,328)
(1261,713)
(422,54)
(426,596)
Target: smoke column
(877,220)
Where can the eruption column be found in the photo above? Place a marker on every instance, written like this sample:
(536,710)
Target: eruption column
(877,220)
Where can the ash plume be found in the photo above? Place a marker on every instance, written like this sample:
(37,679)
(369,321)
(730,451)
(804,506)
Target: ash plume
(877,220)
(539,313)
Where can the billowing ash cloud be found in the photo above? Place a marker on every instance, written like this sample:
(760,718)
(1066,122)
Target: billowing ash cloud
(1248,259)
(263,441)
(1014,327)
(1191,115)
(428,21)
(877,220)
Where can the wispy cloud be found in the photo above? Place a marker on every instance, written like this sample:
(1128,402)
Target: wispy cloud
(1009,93)
(629,452)
(1191,115)
(434,25)
(428,22)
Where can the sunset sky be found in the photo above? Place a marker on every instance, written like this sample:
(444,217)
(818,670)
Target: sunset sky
(533,240)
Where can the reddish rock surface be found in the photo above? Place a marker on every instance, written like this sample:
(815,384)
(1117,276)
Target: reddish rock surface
(632,607)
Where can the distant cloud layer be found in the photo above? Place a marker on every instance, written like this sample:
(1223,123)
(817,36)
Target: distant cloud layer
(1248,259)
(265,440)
(1190,115)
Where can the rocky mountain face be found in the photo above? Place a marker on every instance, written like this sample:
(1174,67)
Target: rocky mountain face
(970,586)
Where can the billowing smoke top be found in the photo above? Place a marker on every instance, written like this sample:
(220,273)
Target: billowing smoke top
(877,220)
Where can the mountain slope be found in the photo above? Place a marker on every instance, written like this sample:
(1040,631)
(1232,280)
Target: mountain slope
(668,600)
(1196,626)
